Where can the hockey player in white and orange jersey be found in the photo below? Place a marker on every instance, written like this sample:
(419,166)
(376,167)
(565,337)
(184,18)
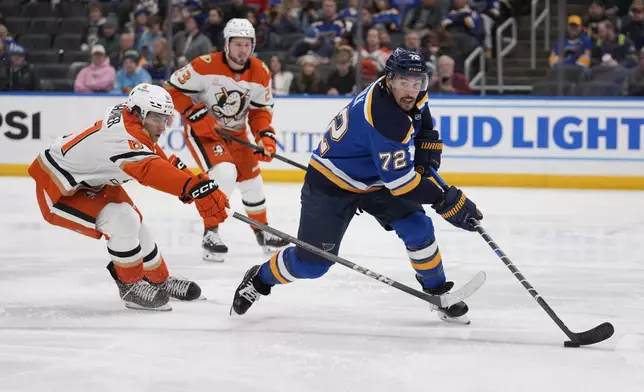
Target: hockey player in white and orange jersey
(222,91)
(78,187)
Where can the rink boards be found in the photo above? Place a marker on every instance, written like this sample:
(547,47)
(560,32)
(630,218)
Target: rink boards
(560,143)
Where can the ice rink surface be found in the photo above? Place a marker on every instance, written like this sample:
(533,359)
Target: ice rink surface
(63,327)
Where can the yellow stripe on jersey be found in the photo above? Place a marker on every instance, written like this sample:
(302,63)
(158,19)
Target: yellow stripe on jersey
(275,270)
(368,103)
(409,132)
(429,264)
(408,187)
(422,101)
(337,180)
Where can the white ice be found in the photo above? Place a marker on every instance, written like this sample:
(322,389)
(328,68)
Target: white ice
(63,327)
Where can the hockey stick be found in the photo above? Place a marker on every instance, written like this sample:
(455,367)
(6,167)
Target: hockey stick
(259,149)
(592,336)
(442,301)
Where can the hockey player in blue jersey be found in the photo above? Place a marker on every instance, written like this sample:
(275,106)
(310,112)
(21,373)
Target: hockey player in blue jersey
(364,161)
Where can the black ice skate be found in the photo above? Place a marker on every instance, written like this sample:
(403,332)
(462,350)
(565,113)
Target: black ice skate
(181,289)
(269,242)
(214,248)
(249,291)
(141,295)
(456,313)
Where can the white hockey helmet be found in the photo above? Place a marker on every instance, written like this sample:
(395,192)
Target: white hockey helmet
(238,28)
(150,98)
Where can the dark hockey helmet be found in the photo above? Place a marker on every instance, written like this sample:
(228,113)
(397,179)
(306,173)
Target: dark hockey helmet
(409,63)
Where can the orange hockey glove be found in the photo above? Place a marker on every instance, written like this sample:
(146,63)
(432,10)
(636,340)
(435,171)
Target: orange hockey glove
(201,121)
(178,163)
(211,202)
(266,140)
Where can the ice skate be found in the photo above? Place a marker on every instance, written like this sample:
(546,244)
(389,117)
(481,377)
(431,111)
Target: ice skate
(269,242)
(141,295)
(214,248)
(249,291)
(456,313)
(181,289)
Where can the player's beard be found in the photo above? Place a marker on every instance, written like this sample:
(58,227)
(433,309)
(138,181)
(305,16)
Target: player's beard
(407,102)
(237,60)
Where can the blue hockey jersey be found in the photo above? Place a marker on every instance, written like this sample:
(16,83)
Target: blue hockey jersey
(369,144)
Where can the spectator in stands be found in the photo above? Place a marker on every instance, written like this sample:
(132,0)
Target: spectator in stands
(412,41)
(158,64)
(308,81)
(282,79)
(110,41)
(462,19)
(280,21)
(490,12)
(611,46)
(308,13)
(177,19)
(4,65)
(576,49)
(130,74)
(214,28)
(342,80)
(151,6)
(373,57)
(190,43)
(312,44)
(329,25)
(635,82)
(446,81)
(126,43)
(93,30)
(22,75)
(385,39)
(265,39)
(596,14)
(193,8)
(349,15)
(237,9)
(385,15)
(140,25)
(153,33)
(634,27)
(97,77)
(426,16)
(5,36)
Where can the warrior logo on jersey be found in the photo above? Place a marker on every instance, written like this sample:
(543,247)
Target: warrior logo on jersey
(230,105)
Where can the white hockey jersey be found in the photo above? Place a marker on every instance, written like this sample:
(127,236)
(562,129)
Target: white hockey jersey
(113,151)
(232,97)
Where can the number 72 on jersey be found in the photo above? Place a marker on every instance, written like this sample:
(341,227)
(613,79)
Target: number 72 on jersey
(338,127)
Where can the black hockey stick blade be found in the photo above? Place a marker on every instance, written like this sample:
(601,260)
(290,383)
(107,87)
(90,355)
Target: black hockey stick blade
(594,335)
(443,301)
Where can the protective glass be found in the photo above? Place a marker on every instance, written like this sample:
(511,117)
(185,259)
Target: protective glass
(410,83)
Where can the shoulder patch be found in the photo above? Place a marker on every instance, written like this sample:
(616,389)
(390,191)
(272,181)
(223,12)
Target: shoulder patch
(206,58)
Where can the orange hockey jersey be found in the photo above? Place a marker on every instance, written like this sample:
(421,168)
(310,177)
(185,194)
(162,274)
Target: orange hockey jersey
(113,151)
(232,97)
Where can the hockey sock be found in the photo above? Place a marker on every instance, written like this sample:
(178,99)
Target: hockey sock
(428,264)
(127,264)
(285,267)
(154,267)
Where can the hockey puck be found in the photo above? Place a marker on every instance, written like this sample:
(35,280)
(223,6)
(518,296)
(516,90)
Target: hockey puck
(570,343)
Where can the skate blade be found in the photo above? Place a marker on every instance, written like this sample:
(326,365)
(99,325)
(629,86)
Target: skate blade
(162,308)
(201,298)
(213,257)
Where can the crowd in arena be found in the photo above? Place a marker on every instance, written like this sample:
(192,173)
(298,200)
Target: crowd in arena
(311,47)
(604,48)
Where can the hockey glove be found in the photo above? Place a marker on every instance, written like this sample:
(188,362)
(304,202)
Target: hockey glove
(266,140)
(429,148)
(176,162)
(211,202)
(457,209)
(200,120)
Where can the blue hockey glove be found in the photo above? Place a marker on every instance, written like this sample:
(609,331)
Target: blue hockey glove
(457,209)
(429,148)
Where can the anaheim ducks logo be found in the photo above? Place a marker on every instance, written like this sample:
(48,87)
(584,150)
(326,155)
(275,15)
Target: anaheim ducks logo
(230,105)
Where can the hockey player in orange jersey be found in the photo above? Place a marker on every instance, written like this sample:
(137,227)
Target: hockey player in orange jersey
(220,92)
(78,187)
